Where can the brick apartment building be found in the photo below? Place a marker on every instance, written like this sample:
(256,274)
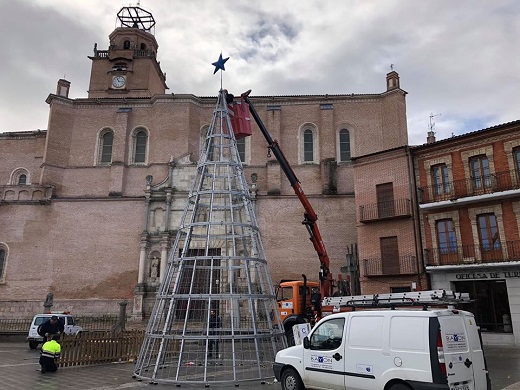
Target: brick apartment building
(89,207)
(445,215)
(469,213)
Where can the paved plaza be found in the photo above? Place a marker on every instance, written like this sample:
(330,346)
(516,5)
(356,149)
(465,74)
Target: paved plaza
(19,370)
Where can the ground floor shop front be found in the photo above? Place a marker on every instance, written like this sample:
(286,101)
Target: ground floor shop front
(495,293)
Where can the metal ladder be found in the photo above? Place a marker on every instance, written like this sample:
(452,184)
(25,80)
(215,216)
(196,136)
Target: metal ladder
(429,298)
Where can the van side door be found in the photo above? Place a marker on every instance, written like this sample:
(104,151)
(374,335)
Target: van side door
(323,361)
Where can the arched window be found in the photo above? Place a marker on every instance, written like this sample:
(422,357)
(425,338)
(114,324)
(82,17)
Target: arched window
(241,146)
(207,144)
(3,261)
(19,177)
(143,46)
(106,142)
(126,45)
(140,146)
(344,145)
(308,146)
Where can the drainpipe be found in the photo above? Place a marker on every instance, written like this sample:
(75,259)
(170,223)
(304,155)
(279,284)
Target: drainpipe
(415,217)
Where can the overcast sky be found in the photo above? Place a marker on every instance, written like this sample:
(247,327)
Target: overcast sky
(458,60)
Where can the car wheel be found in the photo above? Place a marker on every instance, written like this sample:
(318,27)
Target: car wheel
(291,380)
(33,344)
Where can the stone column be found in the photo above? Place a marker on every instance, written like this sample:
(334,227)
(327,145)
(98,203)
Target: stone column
(142,260)
(164,257)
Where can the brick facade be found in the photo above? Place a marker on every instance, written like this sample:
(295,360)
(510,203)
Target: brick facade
(94,230)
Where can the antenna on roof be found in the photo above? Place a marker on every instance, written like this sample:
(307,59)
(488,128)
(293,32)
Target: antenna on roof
(431,129)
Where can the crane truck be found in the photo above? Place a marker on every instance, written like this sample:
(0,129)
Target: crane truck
(298,301)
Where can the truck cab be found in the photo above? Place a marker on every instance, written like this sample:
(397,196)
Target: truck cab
(296,303)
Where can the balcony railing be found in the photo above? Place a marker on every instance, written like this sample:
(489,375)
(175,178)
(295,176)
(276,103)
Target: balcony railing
(400,208)
(497,182)
(137,53)
(375,267)
(473,254)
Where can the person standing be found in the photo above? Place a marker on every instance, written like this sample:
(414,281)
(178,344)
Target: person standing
(214,325)
(50,327)
(49,355)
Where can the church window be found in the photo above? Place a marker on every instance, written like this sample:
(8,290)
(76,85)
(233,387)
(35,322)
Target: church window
(126,45)
(241,146)
(20,177)
(308,144)
(3,261)
(140,141)
(143,46)
(119,67)
(105,147)
(344,145)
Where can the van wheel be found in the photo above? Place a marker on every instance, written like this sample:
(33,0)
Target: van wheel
(291,380)
(33,344)
(399,386)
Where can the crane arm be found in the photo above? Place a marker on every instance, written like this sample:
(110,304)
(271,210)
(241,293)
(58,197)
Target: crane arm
(310,216)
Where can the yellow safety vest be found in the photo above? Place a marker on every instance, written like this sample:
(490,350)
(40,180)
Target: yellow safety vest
(51,349)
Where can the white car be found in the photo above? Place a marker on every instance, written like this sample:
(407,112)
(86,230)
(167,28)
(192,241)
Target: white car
(70,327)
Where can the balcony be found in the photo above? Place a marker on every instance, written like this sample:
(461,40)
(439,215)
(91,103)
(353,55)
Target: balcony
(26,194)
(400,208)
(497,182)
(136,53)
(375,267)
(473,254)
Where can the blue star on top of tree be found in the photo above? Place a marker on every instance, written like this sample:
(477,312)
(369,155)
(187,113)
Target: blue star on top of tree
(219,65)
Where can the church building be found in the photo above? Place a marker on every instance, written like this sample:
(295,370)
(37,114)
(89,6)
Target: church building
(90,206)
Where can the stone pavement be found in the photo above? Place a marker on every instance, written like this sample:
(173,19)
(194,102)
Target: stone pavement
(19,369)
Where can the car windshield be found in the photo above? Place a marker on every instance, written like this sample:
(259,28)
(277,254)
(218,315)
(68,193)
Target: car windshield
(40,320)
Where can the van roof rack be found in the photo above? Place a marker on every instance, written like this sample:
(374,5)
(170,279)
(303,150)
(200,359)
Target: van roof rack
(414,298)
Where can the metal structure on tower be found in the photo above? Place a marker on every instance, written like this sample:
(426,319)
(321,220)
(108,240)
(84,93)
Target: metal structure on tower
(215,318)
(136,17)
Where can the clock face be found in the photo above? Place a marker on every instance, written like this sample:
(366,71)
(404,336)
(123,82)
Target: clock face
(118,82)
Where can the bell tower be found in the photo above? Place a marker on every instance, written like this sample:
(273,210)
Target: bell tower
(129,68)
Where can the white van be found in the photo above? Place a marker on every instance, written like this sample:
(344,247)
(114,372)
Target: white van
(67,320)
(388,349)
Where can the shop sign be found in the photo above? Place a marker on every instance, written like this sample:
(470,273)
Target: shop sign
(488,275)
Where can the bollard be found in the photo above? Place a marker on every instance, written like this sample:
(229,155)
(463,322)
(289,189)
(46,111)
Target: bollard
(122,315)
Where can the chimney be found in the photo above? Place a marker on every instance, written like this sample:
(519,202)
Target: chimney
(63,88)
(392,80)
(431,137)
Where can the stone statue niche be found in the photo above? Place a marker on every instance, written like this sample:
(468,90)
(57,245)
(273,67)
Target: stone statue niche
(154,270)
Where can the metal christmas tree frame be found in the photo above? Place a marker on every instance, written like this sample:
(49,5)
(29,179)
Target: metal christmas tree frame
(218,264)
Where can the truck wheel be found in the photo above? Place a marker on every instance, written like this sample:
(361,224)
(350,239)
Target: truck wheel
(289,335)
(291,380)
(33,344)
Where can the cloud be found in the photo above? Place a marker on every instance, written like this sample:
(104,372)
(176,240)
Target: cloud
(454,58)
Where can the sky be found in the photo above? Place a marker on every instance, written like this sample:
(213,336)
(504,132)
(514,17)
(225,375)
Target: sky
(458,60)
